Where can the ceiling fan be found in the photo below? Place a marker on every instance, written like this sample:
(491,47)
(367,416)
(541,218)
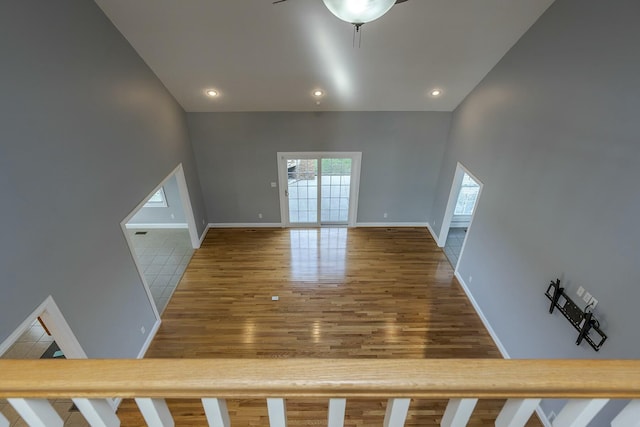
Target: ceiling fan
(357,12)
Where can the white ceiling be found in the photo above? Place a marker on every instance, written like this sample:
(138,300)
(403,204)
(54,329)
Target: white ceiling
(264,57)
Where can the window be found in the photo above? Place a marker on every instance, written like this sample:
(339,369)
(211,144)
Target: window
(468,196)
(158,200)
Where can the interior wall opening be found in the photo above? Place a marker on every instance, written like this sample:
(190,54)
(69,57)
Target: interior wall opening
(463,199)
(44,334)
(162,237)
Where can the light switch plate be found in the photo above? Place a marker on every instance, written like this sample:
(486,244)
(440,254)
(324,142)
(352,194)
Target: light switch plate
(580,291)
(587,297)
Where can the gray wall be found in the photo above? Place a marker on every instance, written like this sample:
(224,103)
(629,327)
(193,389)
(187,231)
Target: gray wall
(86,132)
(237,161)
(553,133)
(162,215)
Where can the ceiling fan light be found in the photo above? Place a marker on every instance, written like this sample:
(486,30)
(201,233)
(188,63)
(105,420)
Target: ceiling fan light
(359,11)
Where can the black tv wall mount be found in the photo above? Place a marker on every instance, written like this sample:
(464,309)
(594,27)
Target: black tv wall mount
(585,323)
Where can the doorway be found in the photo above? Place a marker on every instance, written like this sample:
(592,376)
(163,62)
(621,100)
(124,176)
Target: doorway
(162,236)
(463,199)
(44,334)
(319,188)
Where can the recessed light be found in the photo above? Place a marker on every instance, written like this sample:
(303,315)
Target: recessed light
(436,92)
(318,93)
(212,93)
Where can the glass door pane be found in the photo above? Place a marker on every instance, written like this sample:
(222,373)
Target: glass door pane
(336,189)
(302,181)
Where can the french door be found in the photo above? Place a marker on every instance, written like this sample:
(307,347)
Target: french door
(318,188)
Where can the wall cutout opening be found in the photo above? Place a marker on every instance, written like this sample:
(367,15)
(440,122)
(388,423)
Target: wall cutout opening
(463,199)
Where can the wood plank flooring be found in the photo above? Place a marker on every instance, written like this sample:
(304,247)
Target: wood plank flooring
(364,293)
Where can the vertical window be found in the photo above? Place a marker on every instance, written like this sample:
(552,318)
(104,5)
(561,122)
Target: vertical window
(467,197)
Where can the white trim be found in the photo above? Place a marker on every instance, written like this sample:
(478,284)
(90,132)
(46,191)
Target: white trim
(204,234)
(57,325)
(183,191)
(177,225)
(433,233)
(485,321)
(392,224)
(244,225)
(150,337)
(356,161)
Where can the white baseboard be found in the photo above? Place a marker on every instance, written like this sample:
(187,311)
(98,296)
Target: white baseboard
(485,322)
(150,337)
(496,340)
(392,224)
(433,233)
(157,225)
(246,225)
(204,235)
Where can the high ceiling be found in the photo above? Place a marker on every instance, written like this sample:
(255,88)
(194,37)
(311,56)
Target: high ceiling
(265,57)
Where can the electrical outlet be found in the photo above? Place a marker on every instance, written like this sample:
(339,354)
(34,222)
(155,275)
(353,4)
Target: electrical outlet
(470,279)
(142,330)
(173,216)
(593,303)
(580,291)
(273,185)
(587,297)
(260,215)
(385,215)
(275,298)
(203,221)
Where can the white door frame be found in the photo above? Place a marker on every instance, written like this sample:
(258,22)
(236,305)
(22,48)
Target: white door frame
(57,325)
(451,205)
(178,172)
(62,334)
(356,160)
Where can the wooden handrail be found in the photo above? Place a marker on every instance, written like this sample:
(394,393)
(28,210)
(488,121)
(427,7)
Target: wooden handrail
(350,378)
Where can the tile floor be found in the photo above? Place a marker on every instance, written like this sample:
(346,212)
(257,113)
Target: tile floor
(31,345)
(453,245)
(163,254)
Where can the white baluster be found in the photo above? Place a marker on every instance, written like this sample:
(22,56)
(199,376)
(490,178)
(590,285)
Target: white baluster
(97,412)
(37,412)
(629,416)
(396,414)
(578,413)
(458,412)
(216,411)
(516,412)
(337,409)
(155,412)
(4,422)
(277,412)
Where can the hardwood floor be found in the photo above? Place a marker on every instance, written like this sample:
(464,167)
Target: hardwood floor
(365,293)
